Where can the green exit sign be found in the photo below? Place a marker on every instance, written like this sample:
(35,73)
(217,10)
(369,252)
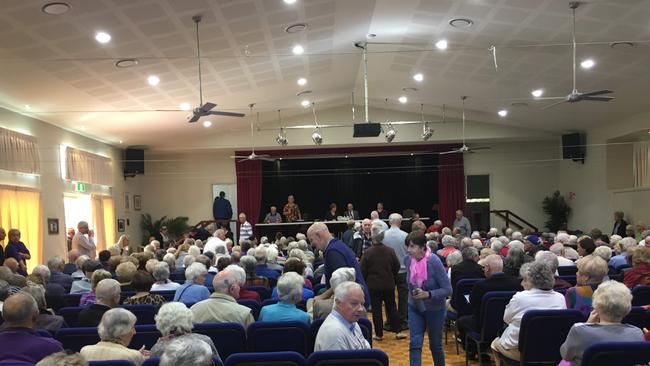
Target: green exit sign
(80,187)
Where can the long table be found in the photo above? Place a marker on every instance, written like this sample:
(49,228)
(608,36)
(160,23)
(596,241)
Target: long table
(336,227)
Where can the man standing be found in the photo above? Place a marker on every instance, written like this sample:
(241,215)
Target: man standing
(273,217)
(291,211)
(619,224)
(351,212)
(462,224)
(383,214)
(162,237)
(245,228)
(83,240)
(222,210)
(396,239)
(340,330)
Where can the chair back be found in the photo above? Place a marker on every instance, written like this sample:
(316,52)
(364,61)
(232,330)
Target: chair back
(266,359)
(253,305)
(616,353)
(264,292)
(229,338)
(493,305)
(71,315)
(638,317)
(641,295)
(543,332)
(464,287)
(145,314)
(279,336)
(269,302)
(366,328)
(567,270)
(365,357)
(76,338)
(111,363)
(71,300)
(155,361)
(145,335)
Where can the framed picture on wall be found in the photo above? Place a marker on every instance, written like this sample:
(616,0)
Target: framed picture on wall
(127,201)
(52,226)
(121,226)
(137,202)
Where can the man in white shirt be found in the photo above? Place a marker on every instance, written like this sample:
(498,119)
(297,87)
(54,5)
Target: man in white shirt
(340,330)
(558,250)
(217,240)
(83,240)
(245,228)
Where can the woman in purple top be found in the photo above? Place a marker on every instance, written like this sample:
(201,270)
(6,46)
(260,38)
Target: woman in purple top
(17,249)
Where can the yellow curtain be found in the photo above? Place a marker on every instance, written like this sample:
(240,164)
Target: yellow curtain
(104,220)
(21,209)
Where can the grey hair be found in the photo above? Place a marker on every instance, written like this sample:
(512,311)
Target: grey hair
(115,323)
(517,236)
(593,267)
(56,264)
(516,244)
(194,271)
(5,290)
(194,251)
(446,231)
(186,352)
(343,274)
(448,240)
(612,299)
(604,252)
(454,258)
(557,249)
(188,260)
(260,254)
(62,358)
(297,253)
(377,232)
(469,253)
(300,236)
(80,261)
(236,271)
(497,245)
(272,254)
(43,272)
(19,314)
(161,271)
(248,263)
(302,245)
(549,258)
(627,243)
(539,275)
(222,283)
(107,289)
(38,293)
(475,235)
(174,317)
(82,224)
(342,290)
(395,219)
(290,287)
(170,259)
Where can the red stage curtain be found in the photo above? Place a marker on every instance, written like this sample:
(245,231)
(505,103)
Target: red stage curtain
(451,186)
(249,190)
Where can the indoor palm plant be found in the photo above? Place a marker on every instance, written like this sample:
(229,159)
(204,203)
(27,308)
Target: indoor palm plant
(558,211)
(176,226)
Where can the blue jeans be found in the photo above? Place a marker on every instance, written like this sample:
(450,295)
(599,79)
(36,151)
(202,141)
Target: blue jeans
(432,321)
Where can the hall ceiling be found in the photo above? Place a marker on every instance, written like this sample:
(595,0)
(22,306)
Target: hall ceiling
(54,65)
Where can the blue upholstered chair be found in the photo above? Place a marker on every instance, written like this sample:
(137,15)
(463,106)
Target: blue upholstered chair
(145,335)
(265,359)
(641,295)
(111,363)
(279,336)
(145,314)
(264,292)
(638,316)
(366,357)
(229,338)
(617,353)
(76,338)
(567,270)
(155,361)
(253,305)
(493,305)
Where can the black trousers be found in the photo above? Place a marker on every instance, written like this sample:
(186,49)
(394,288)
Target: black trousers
(388,298)
(464,325)
(402,300)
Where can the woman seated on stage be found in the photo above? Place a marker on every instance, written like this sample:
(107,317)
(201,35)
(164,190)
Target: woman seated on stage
(331,214)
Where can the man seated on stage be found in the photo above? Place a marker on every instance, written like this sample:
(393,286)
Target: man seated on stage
(273,217)
(291,211)
(351,213)
(383,214)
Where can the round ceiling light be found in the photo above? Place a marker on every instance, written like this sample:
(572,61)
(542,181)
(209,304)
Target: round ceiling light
(621,45)
(296,28)
(298,50)
(102,37)
(56,8)
(127,62)
(461,23)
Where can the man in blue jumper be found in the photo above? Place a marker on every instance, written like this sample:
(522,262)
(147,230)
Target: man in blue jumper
(222,211)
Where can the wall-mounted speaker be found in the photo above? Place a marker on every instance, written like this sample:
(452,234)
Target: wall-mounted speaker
(133,162)
(574,146)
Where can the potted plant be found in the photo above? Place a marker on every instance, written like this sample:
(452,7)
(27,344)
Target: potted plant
(176,226)
(558,211)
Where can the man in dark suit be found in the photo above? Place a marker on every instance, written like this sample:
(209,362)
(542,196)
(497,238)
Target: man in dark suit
(495,280)
(222,210)
(468,268)
(619,224)
(108,296)
(351,212)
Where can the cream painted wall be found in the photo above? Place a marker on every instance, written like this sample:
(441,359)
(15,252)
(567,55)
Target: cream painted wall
(50,184)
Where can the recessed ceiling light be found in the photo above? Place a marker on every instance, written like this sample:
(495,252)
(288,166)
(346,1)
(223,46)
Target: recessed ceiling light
(305,103)
(622,45)
(418,77)
(184,106)
(298,50)
(27,106)
(121,141)
(289,2)
(57,8)
(537,93)
(102,37)
(503,112)
(461,22)
(441,44)
(127,62)
(296,28)
(153,80)
(302,81)
(587,64)
(403,99)
(207,124)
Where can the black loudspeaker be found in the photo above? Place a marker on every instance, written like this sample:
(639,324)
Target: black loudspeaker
(366,129)
(133,162)
(574,146)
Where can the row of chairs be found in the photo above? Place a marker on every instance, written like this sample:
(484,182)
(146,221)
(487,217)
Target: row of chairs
(572,270)
(369,357)
(229,338)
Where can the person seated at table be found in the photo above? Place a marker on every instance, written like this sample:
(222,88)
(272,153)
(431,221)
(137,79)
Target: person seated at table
(115,330)
(612,301)
(289,291)
(273,217)
(291,211)
(331,215)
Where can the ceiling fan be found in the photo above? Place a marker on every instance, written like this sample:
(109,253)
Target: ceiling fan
(464,148)
(575,95)
(205,109)
(252,155)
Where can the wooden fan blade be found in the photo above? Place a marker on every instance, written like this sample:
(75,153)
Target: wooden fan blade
(194,118)
(598,99)
(228,114)
(554,104)
(207,106)
(597,92)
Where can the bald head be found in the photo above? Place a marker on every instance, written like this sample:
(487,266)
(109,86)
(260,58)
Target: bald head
(318,235)
(12,264)
(492,264)
(20,310)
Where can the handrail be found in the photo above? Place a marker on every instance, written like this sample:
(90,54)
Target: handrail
(506,214)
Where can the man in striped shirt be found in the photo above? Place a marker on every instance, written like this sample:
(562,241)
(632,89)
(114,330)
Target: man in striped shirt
(245,227)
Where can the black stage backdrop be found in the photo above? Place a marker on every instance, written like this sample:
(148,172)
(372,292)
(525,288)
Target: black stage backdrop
(400,182)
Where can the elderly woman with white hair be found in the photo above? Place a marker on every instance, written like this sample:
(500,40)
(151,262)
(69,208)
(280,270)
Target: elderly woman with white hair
(186,352)
(453,259)
(612,301)
(449,243)
(622,247)
(115,330)
(175,322)
(290,293)
(122,246)
(161,275)
(591,272)
(320,306)
(193,290)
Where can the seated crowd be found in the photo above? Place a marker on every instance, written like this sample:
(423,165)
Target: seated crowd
(315,275)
